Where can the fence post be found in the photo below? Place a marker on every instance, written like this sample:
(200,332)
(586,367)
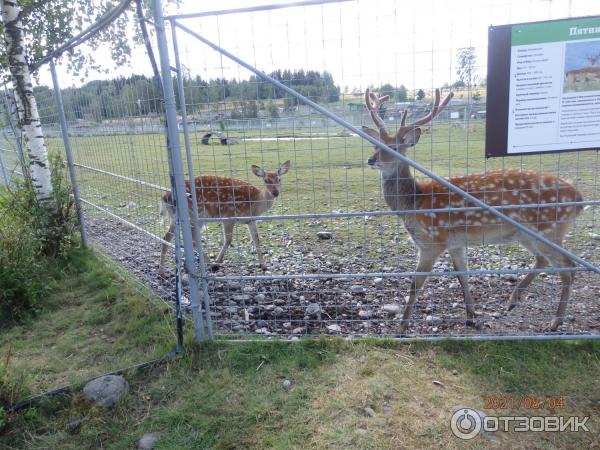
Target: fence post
(6,181)
(14,117)
(67,143)
(188,153)
(178,177)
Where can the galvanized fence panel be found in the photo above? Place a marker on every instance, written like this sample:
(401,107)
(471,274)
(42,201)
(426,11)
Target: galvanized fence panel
(338,261)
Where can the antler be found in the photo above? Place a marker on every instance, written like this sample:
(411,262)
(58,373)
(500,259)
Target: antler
(437,108)
(373,103)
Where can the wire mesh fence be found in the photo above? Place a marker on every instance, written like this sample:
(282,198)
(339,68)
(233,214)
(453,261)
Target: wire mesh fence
(336,259)
(339,262)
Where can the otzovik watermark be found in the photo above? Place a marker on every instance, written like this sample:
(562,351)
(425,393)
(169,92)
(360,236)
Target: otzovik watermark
(467,423)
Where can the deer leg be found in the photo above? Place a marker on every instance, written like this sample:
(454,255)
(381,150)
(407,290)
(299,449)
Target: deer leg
(198,244)
(163,249)
(227,237)
(567,279)
(426,259)
(256,241)
(515,296)
(459,260)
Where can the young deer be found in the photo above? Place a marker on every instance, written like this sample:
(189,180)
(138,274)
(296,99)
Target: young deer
(231,198)
(435,232)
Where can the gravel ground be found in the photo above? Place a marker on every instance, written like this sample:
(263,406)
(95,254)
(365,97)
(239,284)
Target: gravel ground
(367,306)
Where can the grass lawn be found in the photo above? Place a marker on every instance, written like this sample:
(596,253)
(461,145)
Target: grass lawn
(343,394)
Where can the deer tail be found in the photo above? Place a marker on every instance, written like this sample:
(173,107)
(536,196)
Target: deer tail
(165,207)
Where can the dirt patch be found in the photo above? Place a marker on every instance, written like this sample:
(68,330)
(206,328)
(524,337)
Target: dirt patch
(360,306)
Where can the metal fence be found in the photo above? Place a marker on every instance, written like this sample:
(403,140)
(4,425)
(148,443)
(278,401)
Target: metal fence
(338,261)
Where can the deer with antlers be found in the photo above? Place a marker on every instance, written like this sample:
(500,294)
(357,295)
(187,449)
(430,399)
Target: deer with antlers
(230,198)
(435,232)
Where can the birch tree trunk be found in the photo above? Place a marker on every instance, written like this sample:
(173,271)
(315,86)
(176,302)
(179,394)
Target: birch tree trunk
(29,118)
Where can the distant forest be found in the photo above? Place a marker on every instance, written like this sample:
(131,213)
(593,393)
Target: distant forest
(138,95)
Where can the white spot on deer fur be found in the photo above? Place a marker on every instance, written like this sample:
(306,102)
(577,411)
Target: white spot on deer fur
(494,198)
(515,192)
(491,186)
(552,199)
(477,223)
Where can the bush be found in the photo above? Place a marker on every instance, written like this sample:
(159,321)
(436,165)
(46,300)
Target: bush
(33,236)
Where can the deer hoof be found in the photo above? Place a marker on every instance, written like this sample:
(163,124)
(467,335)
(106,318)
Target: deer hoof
(553,326)
(511,306)
(403,326)
(215,267)
(473,324)
(263,267)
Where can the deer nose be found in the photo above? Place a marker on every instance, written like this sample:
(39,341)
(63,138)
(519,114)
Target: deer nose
(275,193)
(371,161)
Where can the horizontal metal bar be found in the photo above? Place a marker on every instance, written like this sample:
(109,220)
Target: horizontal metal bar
(123,177)
(448,338)
(6,150)
(126,222)
(444,182)
(405,212)
(354,275)
(270,7)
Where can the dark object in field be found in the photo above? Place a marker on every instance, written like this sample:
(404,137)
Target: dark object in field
(224,140)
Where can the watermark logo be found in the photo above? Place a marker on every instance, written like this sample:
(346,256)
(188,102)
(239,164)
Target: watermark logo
(467,423)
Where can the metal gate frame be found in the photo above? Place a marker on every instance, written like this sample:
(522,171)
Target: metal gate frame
(182,209)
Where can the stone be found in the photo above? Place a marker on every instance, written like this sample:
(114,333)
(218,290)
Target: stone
(365,314)
(433,320)
(313,309)
(357,289)
(148,440)
(378,282)
(391,308)
(73,426)
(106,390)
(287,384)
(369,411)
(334,328)
(324,235)
(298,330)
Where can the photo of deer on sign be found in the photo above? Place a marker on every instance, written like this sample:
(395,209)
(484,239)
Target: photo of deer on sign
(222,197)
(582,67)
(435,232)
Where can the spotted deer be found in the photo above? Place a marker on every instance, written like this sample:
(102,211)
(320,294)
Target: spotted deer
(228,198)
(435,232)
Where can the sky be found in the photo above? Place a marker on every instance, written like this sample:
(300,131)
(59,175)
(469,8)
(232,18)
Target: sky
(361,42)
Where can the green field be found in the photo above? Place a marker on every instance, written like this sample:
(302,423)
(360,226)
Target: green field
(328,173)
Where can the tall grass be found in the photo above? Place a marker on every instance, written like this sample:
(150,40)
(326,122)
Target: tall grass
(33,237)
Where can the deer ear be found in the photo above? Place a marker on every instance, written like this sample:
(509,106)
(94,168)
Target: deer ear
(371,132)
(411,138)
(283,169)
(258,171)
